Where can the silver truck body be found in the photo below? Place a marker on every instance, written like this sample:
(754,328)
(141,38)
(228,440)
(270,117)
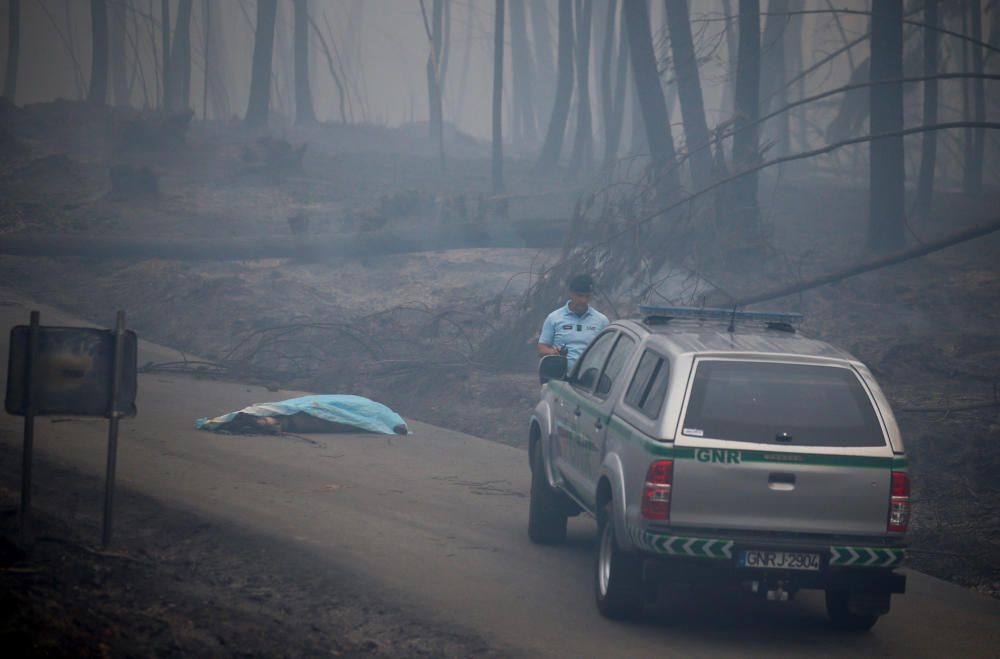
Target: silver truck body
(731,493)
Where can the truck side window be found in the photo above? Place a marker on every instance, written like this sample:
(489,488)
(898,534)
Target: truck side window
(593,360)
(616,362)
(649,385)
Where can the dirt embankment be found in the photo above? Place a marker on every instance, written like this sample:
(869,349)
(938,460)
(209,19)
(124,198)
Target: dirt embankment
(175,584)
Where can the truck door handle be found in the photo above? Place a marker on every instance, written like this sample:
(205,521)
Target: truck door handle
(576,412)
(598,424)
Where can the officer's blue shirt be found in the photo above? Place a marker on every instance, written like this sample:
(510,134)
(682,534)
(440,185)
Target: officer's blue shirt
(565,328)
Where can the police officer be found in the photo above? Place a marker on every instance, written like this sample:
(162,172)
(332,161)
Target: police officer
(574,325)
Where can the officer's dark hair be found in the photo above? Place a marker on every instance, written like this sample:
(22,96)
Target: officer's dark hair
(582,283)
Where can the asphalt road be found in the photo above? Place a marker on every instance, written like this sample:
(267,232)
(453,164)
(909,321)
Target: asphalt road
(436,522)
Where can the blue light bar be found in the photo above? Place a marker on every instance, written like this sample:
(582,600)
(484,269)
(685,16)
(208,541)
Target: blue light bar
(712,313)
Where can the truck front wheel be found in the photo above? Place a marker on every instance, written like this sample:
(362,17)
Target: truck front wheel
(546,510)
(617,574)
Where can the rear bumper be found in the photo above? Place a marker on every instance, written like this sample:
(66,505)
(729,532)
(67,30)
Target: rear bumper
(845,564)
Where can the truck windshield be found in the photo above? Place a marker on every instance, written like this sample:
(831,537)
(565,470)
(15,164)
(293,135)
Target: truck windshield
(784,404)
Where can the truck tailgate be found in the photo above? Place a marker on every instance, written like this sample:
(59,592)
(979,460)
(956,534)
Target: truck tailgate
(780,491)
(783,446)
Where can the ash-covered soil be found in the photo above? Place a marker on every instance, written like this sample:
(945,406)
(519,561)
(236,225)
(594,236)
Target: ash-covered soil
(406,329)
(175,584)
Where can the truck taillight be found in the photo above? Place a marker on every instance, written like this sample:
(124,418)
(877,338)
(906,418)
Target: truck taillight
(656,491)
(899,503)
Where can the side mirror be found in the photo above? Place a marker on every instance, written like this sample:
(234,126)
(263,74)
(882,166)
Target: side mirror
(552,367)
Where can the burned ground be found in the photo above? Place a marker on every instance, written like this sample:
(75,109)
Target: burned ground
(408,329)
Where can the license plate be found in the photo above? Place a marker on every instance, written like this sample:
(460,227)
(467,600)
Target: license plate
(779,560)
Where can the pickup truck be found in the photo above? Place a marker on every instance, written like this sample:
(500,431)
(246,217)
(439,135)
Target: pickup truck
(715,444)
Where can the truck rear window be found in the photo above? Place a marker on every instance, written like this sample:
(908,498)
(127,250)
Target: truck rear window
(784,404)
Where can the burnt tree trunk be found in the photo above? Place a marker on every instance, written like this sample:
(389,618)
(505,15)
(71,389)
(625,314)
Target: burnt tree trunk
(650,94)
(180,60)
(928,149)
(206,42)
(605,100)
(304,113)
(13,49)
(743,193)
(522,77)
(165,101)
(773,91)
(689,91)
(613,98)
(260,78)
(794,59)
(434,86)
(582,160)
(885,210)
(98,91)
(972,181)
(564,90)
(498,21)
(542,37)
(117,32)
(729,87)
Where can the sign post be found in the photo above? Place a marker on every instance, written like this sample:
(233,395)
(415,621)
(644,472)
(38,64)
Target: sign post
(114,414)
(77,371)
(29,424)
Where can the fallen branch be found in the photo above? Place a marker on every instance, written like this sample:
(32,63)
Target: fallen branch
(874,264)
(418,239)
(949,410)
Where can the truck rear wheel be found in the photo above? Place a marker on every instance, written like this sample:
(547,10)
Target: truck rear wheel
(547,509)
(838,608)
(617,574)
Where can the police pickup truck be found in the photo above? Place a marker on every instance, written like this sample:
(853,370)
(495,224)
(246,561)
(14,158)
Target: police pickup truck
(720,444)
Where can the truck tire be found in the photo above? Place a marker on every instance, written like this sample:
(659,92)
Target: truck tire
(546,509)
(840,614)
(617,574)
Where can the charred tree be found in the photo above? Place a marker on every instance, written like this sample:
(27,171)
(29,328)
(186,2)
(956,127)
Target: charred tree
(435,90)
(498,21)
(263,49)
(972,180)
(582,159)
(637,133)
(179,96)
(13,49)
(793,57)
(928,149)
(304,113)
(98,91)
(613,101)
(650,93)
(207,43)
(117,30)
(689,90)
(885,210)
(435,76)
(743,193)
(773,90)
(730,34)
(542,37)
(564,90)
(165,52)
(522,76)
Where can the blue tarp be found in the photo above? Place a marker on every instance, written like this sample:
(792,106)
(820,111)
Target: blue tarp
(355,411)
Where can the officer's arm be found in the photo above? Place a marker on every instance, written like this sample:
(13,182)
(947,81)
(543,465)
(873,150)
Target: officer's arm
(546,339)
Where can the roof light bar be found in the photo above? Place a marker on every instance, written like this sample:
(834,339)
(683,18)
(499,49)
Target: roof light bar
(712,313)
